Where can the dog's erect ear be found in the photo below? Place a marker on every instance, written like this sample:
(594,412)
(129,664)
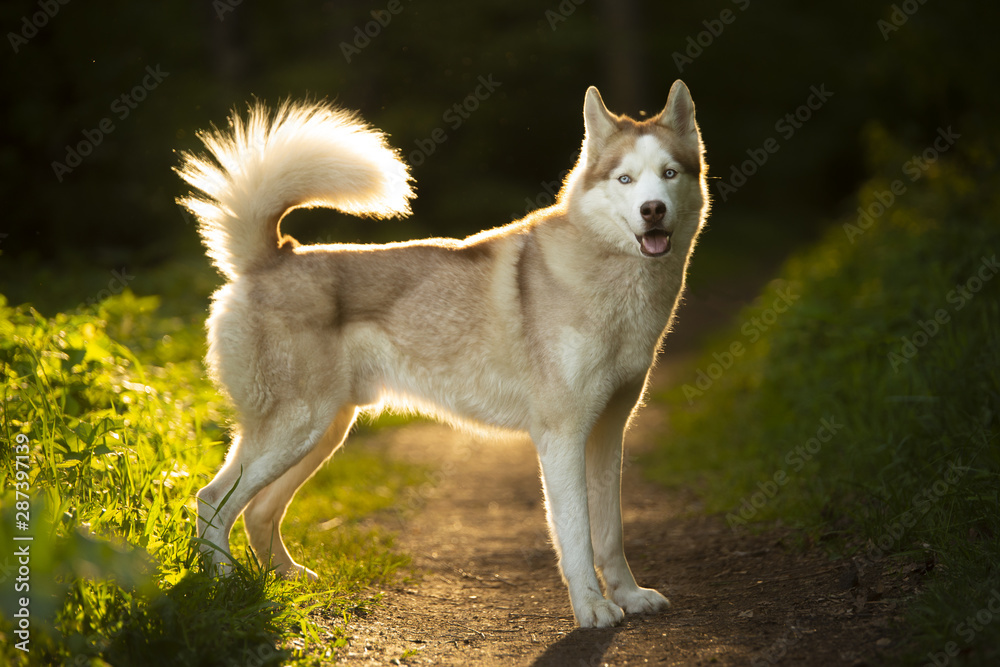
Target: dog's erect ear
(678,114)
(597,120)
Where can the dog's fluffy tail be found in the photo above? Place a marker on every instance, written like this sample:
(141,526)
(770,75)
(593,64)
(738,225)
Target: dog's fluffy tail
(299,156)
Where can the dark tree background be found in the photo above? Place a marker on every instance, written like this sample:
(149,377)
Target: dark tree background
(904,69)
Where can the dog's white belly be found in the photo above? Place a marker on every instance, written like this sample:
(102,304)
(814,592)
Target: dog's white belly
(463,386)
(507,390)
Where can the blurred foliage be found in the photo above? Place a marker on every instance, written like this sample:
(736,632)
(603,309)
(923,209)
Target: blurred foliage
(861,391)
(66,73)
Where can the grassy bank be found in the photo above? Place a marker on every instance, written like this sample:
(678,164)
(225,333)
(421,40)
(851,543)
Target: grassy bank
(109,427)
(858,398)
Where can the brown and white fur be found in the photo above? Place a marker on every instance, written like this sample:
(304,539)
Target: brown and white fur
(548,325)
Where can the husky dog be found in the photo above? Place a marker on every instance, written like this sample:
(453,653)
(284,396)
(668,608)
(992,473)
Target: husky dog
(547,326)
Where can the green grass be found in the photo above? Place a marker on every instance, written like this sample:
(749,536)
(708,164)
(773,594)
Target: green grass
(859,397)
(109,427)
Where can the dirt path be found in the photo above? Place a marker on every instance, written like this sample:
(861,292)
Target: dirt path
(486,590)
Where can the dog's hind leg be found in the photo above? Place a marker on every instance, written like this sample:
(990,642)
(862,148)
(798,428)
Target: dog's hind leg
(263,515)
(263,452)
(604,472)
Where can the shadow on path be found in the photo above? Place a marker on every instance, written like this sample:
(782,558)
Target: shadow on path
(579,647)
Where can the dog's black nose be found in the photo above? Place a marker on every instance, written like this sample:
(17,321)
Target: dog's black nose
(653,211)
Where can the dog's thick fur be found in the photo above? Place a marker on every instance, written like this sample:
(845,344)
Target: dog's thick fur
(549,325)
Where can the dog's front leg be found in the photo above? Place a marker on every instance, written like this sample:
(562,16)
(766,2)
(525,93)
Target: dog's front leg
(604,474)
(564,481)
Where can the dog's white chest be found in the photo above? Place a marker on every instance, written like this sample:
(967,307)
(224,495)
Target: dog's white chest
(595,358)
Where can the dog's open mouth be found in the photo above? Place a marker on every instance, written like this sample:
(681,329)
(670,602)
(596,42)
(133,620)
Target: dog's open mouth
(654,243)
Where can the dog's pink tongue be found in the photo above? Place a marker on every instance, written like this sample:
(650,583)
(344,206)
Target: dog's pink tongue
(655,242)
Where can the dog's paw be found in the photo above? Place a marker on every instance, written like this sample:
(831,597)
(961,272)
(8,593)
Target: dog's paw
(598,612)
(640,600)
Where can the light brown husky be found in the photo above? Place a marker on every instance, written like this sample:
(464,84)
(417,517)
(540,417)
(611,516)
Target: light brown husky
(548,326)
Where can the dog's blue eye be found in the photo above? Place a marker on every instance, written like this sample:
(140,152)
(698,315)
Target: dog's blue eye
(625,179)
(669,173)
